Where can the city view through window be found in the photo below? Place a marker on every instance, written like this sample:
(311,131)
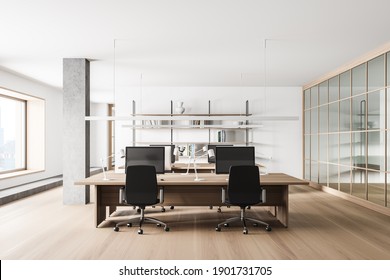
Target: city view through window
(12,134)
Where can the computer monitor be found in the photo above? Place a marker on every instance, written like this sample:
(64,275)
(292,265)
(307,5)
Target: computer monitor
(212,147)
(172,150)
(229,156)
(145,155)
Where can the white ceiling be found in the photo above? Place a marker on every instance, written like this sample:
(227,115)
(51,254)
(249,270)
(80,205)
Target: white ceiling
(189,42)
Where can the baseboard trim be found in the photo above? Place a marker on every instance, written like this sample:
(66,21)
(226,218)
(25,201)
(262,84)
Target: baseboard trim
(367,204)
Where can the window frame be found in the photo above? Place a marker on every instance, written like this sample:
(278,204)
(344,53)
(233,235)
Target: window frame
(24,167)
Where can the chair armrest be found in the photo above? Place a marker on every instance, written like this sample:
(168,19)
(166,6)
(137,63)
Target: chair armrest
(122,195)
(263,196)
(161,194)
(223,196)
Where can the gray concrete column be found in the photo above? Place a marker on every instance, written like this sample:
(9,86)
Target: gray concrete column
(76,145)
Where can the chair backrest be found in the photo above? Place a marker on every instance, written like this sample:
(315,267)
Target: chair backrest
(244,185)
(141,185)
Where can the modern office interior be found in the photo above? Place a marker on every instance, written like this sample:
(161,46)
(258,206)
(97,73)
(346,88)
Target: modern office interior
(290,97)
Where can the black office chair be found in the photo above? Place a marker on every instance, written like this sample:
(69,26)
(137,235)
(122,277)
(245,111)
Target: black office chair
(244,190)
(141,191)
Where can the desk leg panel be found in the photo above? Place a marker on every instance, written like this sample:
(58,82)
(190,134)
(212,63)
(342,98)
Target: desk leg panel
(105,196)
(277,200)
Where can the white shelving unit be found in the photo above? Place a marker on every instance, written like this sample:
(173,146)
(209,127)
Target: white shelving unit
(234,122)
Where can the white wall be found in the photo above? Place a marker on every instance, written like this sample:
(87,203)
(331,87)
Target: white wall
(282,140)
(53,125)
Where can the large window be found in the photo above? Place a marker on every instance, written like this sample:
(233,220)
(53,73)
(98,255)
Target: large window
(12,134)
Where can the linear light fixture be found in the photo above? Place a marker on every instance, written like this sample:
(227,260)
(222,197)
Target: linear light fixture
(189,118)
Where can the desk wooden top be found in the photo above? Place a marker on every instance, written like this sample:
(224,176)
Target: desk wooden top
(176,179)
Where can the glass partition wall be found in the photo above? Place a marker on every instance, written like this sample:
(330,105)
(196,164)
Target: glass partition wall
(347,131)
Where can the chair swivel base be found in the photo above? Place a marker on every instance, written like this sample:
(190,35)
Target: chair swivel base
(243,220)
(141,221)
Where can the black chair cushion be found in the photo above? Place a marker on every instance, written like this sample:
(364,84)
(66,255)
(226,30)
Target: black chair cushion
(244,185)
(141,185)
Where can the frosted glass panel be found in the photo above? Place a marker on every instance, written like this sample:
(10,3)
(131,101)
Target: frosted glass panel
(345,149)
(388,68)
(307,122)
(376,73)
(359,149)
(359,183)
(314,120)
(323,93)
(359,113)
(307,98)
(376,187)
(307,146)
(376,110)
(334,117)
(359,79)
(388,152)
(376,148)
(314,96)
(388,190)
(314,172)
(323,174)
(345,115)
(323,152)
(333,176)
(323,110)
(307,169)
(345,85)
(345,179)
(334,89)
(314,147)
(333,148)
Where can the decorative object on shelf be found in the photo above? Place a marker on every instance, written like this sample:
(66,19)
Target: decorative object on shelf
(193,156)
(122,155)
(221,136)
(179,150)
(179,108)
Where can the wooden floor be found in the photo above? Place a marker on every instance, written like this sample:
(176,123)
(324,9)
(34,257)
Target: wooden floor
(321,226)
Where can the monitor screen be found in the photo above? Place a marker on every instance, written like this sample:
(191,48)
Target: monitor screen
(172,150)
(229,156)
(212,147)
(146,156)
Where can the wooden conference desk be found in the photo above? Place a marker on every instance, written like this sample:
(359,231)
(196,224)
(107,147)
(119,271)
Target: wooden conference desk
(182,190)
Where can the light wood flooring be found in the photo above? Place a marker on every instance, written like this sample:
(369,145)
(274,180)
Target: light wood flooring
(321,226)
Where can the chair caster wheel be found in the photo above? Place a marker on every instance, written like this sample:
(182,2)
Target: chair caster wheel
(158,225)
(116,228)
(219,210)
(140,231)
(210,207)
(268,228)
(129,224)
(245,231)
(248,207)
(166,228)
(217,229)
(163,209)
(172,207)
(226,225)
(138,210)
